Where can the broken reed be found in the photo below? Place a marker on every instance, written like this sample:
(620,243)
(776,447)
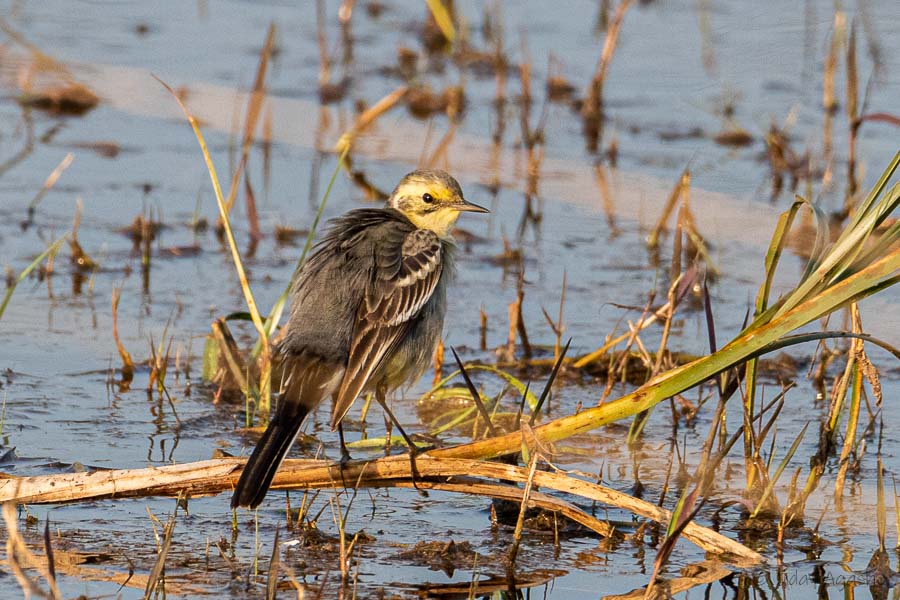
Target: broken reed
(454,475)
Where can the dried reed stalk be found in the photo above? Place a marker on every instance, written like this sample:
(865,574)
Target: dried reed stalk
(458,475)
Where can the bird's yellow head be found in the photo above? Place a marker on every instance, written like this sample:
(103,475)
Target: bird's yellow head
(431,199)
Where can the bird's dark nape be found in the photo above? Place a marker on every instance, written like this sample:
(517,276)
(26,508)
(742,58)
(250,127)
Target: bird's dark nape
(257,475)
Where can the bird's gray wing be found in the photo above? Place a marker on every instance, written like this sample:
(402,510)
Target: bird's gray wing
(403,279)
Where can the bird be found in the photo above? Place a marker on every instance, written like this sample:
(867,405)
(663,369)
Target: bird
(367,312)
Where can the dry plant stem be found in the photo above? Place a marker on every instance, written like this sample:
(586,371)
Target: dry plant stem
(440,151)
(232,134)
(215,476)
(678,191)
(346,551)
(520,318)
(640,420)
(520,522)
(252,215)
(51,559)
(19,557)
(254,105)
(829,104)
(513,313)
(157,577)
(27,146)
(265,375)
(854,371)
(881,512)
(322,42)
(70,564)
(46,61)
(896,511)
(127,362)
(643,323)
(274,568)
(234,362)
(667,325)
(593,104)
(560,328)
(368,117)
(51,180)
(301,591)
(438,362)
(482,329)
(852,118)
(338,516)
(609,207)
(618,370)
(267,151)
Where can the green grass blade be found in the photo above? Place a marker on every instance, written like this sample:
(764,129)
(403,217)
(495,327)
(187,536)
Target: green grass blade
(442,18)
(866,205)
(882,246)
(511,380)
(880,509)
(278,308)
(773,255)
(836,264)
(821,221)
(781,467)
(800,338)
(52,249)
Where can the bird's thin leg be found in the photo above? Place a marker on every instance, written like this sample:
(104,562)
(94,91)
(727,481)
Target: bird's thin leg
(388,434)
(380,396)
(345,454)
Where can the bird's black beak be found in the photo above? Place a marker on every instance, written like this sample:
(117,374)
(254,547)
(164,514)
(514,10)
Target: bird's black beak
(466,206)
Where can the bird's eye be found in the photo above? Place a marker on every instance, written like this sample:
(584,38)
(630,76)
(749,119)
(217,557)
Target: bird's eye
(427,198)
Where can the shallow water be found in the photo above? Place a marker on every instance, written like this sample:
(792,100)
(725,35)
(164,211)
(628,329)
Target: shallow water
(62,411)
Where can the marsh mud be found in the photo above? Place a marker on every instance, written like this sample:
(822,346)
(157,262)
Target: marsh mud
(732,91)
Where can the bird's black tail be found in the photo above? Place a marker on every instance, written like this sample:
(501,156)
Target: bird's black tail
(310,379)
(257,476)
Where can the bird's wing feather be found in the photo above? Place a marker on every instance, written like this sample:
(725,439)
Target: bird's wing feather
(403,279)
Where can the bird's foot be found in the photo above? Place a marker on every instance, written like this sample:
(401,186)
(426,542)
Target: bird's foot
(417,449)
(414,452)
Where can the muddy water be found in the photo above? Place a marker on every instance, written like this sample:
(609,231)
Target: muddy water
(676,68)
